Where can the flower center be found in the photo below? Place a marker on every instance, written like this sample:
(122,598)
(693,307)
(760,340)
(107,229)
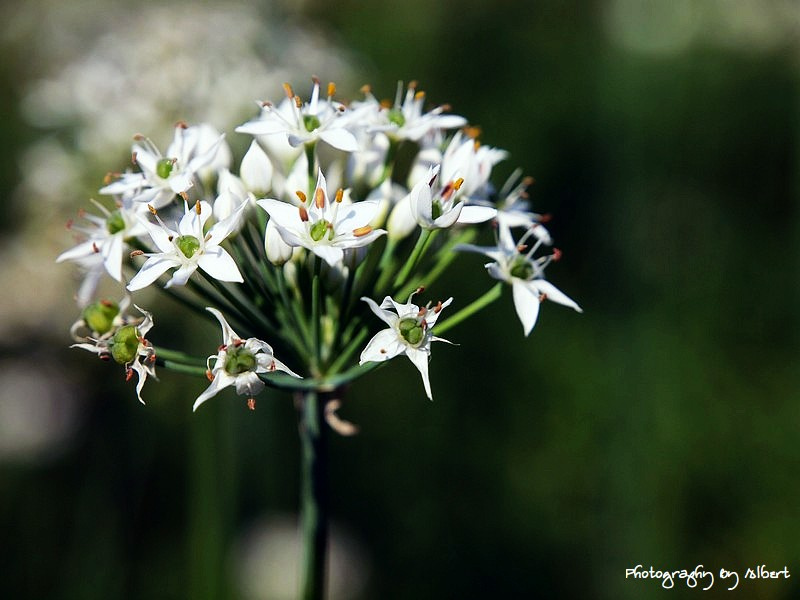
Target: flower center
(239,360)
(411,330)
(188,244)
(115,223)
(522,268)
(164,167)
(311,122)
(125,344)
(396,116)
(99,316)
(318,230)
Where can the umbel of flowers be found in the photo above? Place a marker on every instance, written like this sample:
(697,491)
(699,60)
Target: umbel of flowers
(319,248)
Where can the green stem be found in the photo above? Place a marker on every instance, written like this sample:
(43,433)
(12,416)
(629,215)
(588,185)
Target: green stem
(314,495)
(177,356)
(476,305)
(425,237)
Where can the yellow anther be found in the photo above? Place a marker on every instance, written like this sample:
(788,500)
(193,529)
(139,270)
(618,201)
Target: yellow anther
(197,207)
(289,91)
(458,183)
(361,231)
(420,95)
(339,195)
(472,132)
(298,102)
(331,89)
(151,209)
(301,195)
(366,89)
(319,198)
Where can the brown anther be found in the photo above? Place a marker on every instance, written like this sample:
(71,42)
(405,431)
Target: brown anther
(81,212)
(301,195)
(209,375)
(522,247)
(138,137)
(109,177)
(472,131)
(182,124)
(420,289)
(133,157)
(315,80)
(298,102)
(197,207)
(387,104)
(438,307)
(331,89)
(546,218)
(339,195)
(412,85)
(106,303)
(422,311)
(289,91)
(105,356)
(266,104)
(170,238)
(70,223)
(360,231)
(184,195)
(273,366)
(95,249)
(151,358)
(151,209)
(237,343)
(447,108)
(542,297)
(556,254)
(528,181)
(303,213)
(222,347)
(251,403)
(366,89)
(424,324)
(383,350)
(137,253)
(319,198)
(128,374)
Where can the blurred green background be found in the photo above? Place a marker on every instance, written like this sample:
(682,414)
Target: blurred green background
(658,428)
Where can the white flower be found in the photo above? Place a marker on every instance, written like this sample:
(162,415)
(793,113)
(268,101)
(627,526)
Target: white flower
(256,169)
(524,273)
(164,176)
(465,157)
(406,119)
(409,333)
(324,227)
(128,346)
(189,248)
(106,235)
(239,362)
(435,207)
(303,123)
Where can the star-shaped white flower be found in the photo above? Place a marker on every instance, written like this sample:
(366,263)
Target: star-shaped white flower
(438,207)
(325,228)
(303,123)
(515,264)
(239,363)
(128,347)
(164,176)
(409,333)
(189,248)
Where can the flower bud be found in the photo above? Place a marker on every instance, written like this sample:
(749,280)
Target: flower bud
(256,170)
(401,220)
(278,251)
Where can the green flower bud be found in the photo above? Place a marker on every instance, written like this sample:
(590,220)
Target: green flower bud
(99,316)
(522,268)
(188,244)
(319,229)
(396,116)
(125,344)
(239,360)
(412,331)
(311,122)
(115,223)
(164,167)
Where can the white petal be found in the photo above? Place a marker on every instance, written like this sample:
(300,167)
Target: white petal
(421,204)
(286,215)
(356,215)
(420,359)
(222,229)
(248,384)
(476,214)
(181,276)
(151,270)
(555,295)
(112,256)
(384,315)
(220,265)
(228,334)
(383,346)
(82,250)
(221,381)
(330,254)
(159,236)
(526,301)
(340,139)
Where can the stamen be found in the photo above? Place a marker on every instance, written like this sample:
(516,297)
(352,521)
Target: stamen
(458,183)
(420,95)
(185,196)
(301,195)
(339,195)
(319,198)
(138,137)
(137,253)
(151,209)
(331,89)
(133,157)
(182,124)
(472,131)
(542,297)
(197,207)
(303,213)
(366,89)
(70,223)
(422,311)
(209,375)
(251,403)
(361,231)
(556,254)
(289,91)
(95,249)
(298,102)
(128,374)
(438,307)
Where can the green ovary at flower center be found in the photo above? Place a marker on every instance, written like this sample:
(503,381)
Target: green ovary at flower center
(522,268)
(436,209)
(319,229)
(411,330)
(115,223)
(239,360)
(311,122)
(164,167)
(125,344)
(99,316)
(395,116)
(188,244)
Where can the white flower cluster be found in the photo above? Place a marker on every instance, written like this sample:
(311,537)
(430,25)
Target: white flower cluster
(321,212)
